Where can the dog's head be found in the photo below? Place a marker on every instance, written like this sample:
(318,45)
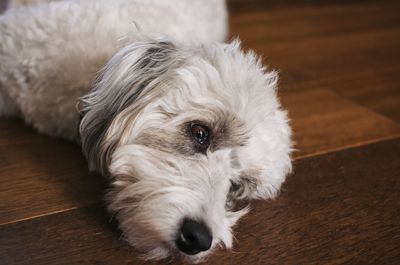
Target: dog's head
(184,133)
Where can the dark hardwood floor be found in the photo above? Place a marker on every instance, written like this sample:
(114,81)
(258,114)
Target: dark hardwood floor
(339,63)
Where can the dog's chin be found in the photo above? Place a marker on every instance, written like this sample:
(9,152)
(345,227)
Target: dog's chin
(173,254)
(198,258)
(168,251)
(162,253)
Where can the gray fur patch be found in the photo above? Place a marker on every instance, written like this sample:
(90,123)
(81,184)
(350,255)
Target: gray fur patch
(131,74)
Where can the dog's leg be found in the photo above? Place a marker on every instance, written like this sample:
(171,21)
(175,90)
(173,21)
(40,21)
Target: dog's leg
(13,3)
(38,80)
(7,107)
(7,4)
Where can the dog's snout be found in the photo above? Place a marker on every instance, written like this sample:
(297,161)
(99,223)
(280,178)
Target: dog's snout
(193,238)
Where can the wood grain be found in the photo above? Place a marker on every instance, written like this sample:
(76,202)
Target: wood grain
(313,21)
(324,122)
(331,211)
(377,90)
(330,56)
(244,6)
(41,175)
(348,48)
(80,236)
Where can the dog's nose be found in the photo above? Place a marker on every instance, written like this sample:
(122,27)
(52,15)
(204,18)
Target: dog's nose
(194,237)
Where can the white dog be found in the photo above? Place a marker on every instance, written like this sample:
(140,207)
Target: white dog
(182,124)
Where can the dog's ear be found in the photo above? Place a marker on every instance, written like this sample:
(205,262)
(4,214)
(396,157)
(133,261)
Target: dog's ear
(130,78)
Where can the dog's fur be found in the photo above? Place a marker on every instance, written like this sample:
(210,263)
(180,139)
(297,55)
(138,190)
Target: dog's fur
(163,65)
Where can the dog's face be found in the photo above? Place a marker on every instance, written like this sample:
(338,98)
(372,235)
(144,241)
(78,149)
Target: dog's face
(184,133)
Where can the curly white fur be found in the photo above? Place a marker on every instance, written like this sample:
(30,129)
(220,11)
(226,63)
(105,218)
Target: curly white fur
(153,82)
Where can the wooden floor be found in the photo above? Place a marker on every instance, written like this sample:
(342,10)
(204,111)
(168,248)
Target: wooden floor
(340,80)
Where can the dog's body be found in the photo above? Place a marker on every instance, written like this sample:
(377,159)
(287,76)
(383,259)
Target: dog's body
(50,53)
(184,126)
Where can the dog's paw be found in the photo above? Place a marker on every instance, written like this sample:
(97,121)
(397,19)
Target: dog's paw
(255,183)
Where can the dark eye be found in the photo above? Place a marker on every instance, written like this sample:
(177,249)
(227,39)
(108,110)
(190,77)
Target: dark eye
(200,134)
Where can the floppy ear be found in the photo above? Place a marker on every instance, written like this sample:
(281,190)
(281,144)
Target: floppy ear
(130,77)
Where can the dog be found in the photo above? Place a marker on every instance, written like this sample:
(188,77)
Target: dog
(182,124)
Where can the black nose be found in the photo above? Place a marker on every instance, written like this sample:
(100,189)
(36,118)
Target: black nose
(194,237)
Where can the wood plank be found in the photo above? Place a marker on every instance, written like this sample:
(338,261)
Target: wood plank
(41,175)
(307,21)
(244,6)
(326,57)
(324,122)
(81,236)
(337,208)
(312,48)
(322,42)
(378,91)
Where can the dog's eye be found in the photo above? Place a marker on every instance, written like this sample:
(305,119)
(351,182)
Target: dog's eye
(200,134)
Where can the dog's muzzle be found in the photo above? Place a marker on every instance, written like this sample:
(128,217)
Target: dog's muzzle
(194,237)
